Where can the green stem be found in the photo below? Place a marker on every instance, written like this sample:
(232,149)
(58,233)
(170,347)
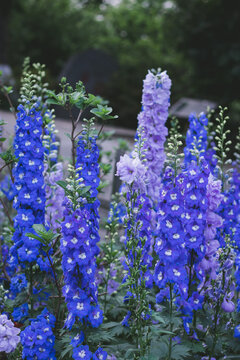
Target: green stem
(31,290)
(106,288)
(171,324)
(215,331)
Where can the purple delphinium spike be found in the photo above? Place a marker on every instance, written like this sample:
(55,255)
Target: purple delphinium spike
(138,232)
(209,264)
(151,124)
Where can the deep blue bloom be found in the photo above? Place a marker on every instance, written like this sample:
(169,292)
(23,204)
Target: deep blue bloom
(37,339)
(20,312)
(29,192)
(82,353)
(100,354)
(18,283)
(80,230)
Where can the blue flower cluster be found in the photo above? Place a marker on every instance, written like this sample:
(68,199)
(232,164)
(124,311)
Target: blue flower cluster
(18,283)
(196,206)
(6,187)
(79,243)
(229,209)
(20,313)
(29,190)
(79,268)
(170,239)
(87,164)
(83,353)
(37,339)
(197,139)
(180,243)
(196,136)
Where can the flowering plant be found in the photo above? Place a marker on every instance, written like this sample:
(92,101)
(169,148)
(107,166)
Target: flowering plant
(159,278)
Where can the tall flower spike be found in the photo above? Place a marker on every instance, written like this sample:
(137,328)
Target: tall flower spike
(151,121)
(196,138)
(138,235)
(80,237)
(53,172)
(29,189)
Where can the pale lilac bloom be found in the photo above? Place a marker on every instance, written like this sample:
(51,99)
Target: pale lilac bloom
(227,304)
(54,195)
(132,172)
(8,335)
(214,188)
(210,263)
(151,125)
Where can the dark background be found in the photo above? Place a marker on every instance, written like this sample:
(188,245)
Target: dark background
(196,41)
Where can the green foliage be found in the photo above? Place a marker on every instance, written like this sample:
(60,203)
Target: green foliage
(174,142)
(222,145)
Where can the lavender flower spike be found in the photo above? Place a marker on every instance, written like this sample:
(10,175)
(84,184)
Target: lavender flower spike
(8,335)
(151,122)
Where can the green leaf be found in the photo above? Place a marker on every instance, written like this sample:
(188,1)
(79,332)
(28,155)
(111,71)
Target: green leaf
(180,352)
(63,184)
(103,112)
(33,236)
(102,185)
(52,102)
(8,89)
(84,190)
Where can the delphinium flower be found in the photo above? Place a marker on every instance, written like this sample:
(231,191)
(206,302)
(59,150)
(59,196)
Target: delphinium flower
(209,264)
(79,242)
(170,244)
(138,234)
(217,284)
(53,172)
(54,195)
(79,268)
(170,236)
(196,137)
(18,283)
(37,339)
(88,171)
(237,332)
(29,190)
(151,121)
(9,338)
(6,187)
(197,141)
(196,204)
(19,313)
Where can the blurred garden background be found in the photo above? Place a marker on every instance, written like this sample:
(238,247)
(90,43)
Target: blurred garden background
(196,41)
